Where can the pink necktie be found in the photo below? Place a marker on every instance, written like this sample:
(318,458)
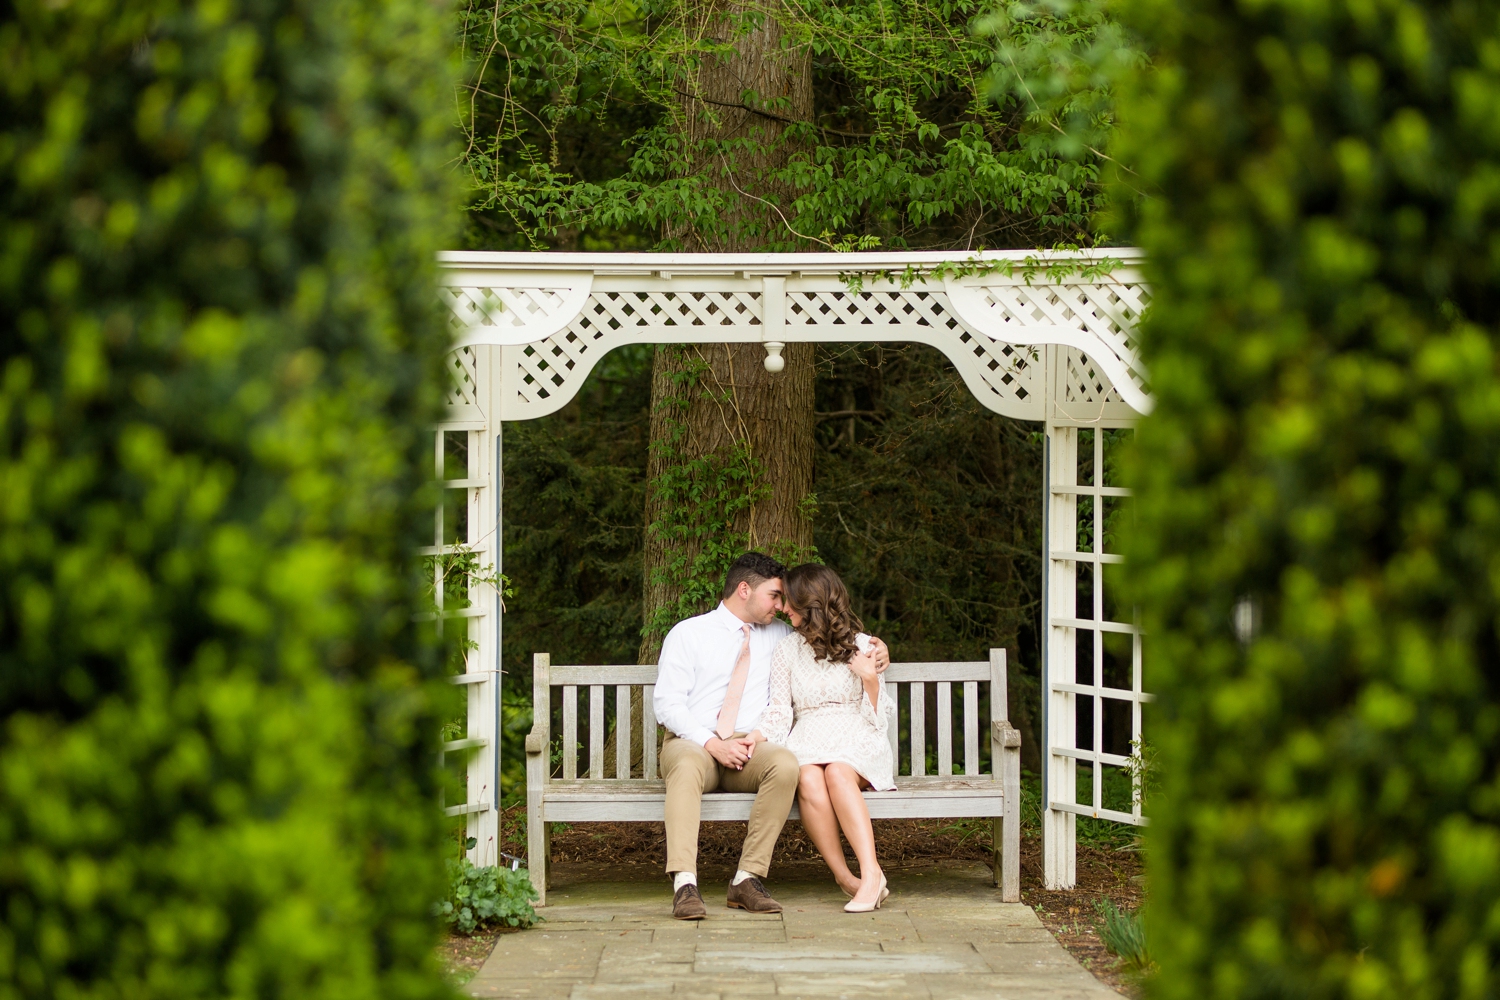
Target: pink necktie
(731,710)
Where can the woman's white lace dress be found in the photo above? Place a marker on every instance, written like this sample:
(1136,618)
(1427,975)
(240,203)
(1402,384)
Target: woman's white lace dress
(820,712)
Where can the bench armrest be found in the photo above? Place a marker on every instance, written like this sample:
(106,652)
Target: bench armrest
(1005,734)
(536,741)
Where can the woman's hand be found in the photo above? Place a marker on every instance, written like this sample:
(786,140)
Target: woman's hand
(864,666)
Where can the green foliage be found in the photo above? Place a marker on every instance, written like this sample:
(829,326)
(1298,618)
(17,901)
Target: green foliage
(575,116)
(1319,498)
(220,349)
(1059,60)
(1123,935)
(480,898)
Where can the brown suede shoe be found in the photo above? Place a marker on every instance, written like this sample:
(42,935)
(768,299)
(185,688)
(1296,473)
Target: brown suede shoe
(688,904)
(751,895)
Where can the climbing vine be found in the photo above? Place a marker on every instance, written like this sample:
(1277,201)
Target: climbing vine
(704,503)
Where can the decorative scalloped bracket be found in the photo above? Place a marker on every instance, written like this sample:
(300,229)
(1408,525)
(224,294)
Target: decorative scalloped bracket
(1085,316)
(527,309)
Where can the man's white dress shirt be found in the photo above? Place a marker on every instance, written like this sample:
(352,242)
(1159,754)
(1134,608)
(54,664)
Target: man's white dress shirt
(692,676)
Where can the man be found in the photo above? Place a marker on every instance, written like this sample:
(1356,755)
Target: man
(713,682)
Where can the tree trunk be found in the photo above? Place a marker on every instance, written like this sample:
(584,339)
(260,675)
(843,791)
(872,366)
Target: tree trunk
(717,414)
(735,404)
(734,113)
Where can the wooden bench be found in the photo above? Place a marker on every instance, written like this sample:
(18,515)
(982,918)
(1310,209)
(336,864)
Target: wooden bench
(637,794)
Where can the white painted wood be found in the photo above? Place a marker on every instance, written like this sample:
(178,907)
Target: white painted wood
(622,731)
(640,801)
(570,731)
(945,728)
(538,761)
(1119,694)
(1059,660)
(575,308)
(475,678)
(1080,809)
(977,670)
(625,798)
(596,731)
(583,676)
(918,729)
(971,727)
(648,731)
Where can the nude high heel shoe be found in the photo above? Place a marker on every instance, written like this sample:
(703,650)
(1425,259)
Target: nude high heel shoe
(853,907)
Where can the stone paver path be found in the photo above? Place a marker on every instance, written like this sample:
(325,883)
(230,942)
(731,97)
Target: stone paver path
(943,934)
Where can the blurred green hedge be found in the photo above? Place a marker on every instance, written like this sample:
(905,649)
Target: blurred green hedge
(1322,190)
(218,349)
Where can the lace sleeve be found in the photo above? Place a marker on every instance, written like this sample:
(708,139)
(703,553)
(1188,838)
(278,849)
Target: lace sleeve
(876,719)
(776,720)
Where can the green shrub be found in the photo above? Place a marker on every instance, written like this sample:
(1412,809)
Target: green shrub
(486,897)
(218,349)
(1318,543)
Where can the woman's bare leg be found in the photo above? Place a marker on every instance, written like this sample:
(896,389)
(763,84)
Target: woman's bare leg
(822,825)
(854,817)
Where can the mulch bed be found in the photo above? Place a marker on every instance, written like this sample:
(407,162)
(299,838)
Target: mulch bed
(1105,871)
(462,955)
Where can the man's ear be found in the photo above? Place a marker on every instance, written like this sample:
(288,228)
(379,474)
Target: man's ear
(743,590)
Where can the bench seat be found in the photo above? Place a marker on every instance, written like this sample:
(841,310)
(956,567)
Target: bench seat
(637,801)
(945,776)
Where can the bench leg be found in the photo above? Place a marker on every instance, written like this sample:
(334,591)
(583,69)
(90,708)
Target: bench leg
(537,843)
(1010,831)
(997,857)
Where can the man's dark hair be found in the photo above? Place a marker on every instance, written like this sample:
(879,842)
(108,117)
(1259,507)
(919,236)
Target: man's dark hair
(752,567)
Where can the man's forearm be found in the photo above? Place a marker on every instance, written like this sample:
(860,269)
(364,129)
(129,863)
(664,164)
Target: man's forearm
(677,718)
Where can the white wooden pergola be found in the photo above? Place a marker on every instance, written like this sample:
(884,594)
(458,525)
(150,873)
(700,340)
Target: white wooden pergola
(1044,337)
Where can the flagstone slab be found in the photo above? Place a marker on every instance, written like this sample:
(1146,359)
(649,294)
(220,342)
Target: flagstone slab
(943,933)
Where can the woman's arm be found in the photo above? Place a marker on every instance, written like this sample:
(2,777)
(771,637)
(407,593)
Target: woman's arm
(866,668)
(776,720)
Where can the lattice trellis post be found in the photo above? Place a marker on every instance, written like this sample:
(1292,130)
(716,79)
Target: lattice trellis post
(466,460)
(1051,343)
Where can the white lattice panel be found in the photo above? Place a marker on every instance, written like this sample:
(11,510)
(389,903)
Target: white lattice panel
(461,375)
(1005,377)
(1083,381)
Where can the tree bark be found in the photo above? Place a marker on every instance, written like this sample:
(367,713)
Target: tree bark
(733,114)
(735,401)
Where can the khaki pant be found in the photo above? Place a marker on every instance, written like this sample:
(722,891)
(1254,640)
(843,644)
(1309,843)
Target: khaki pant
(689,770)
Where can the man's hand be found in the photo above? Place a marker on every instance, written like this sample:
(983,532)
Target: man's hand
(881,653)
(732,753)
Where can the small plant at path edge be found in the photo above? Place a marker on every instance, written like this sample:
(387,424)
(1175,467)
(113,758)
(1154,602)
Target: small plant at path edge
(486,897)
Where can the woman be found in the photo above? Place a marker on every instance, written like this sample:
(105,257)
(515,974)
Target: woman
(829,707)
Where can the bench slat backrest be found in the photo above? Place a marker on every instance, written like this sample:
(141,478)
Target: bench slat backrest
(915,676)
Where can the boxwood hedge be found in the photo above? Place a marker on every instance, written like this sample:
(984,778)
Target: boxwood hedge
(1317,552)
(218,348)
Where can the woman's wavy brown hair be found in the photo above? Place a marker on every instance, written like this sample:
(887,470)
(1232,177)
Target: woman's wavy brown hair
(819,596)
